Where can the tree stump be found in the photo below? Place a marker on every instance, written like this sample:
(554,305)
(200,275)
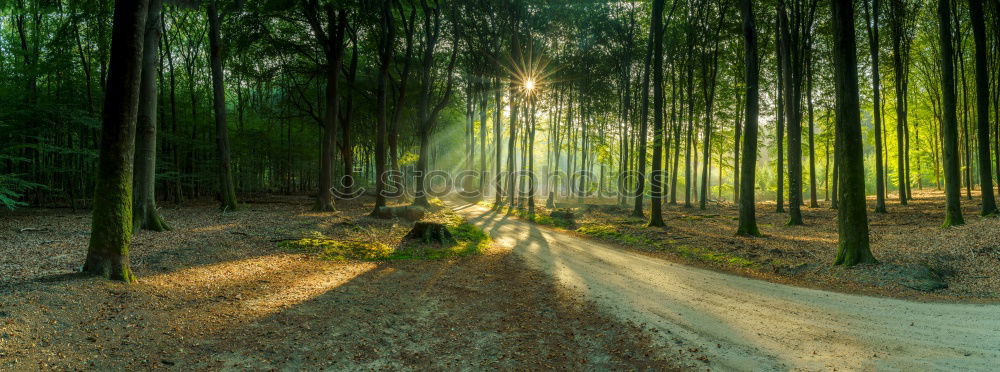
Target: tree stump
(409,212)
(564,213)
(431,232)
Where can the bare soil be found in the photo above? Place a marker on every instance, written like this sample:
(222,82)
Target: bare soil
(218,292)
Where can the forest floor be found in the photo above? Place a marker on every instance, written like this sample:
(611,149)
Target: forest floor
(919,260)
(224,291)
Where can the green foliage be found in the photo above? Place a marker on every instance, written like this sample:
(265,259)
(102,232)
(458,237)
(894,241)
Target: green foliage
(11,189)
(470,241)
(544,219)
(708,255)
(609,232)
(339,250)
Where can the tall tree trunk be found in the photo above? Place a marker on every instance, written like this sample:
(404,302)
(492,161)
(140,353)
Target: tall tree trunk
(790,89)
(511,141)
(227,189)
(952,175)
(737,135)
(871,23)
(482,140)
(388,33)
(643,128)
(347,146)
(779,132)
(111,227)
(656,184)
(898,14)
(497,137)
(852,215)
(708,86)
(747,197)
(674,92)
(982,107)
(145,215)
(813,203)
(966,154)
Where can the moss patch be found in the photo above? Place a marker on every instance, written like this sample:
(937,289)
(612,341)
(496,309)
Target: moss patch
(545,219)
(707,255)
(609,232)
(470,241)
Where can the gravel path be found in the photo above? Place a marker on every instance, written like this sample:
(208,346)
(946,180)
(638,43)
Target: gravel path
(747,324)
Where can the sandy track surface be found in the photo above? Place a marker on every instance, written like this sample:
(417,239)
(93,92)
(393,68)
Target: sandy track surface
(748,324)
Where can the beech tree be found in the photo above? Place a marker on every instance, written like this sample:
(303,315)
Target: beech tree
(111,231)
(949,124)
(852,217)
(748,168)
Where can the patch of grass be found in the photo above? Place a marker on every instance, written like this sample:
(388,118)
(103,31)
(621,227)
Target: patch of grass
(339,250)
(470,241)
(611,233)
(544,219)
(706,255)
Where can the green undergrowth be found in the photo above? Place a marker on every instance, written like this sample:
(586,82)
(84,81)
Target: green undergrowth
(544,219)
(609,232)
(470,240)
(708,255)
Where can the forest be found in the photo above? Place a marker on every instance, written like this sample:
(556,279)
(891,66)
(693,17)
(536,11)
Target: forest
(499,184)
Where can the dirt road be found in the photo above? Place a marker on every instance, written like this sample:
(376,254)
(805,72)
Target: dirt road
(746,324)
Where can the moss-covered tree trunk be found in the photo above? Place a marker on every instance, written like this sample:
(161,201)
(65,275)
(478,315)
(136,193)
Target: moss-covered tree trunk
(852,216)
(656,181)
(747,197)
(982,107)
(145,215)
(227,189)
(111,231)
(952,176)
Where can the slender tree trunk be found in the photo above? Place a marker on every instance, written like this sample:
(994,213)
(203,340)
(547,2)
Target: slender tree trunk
(111,231)
(790,79)
(747,197)
(779,137)
(966,154)
(677,133)
(643,128)
(812,141)
(738,133)
(982,107)
(497,137)
(145,215)
(852,216)
(871,23)
(511,141)
(898,14)
(347,145)
(952,172)
(227,189)
(656,184)
(385,48)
